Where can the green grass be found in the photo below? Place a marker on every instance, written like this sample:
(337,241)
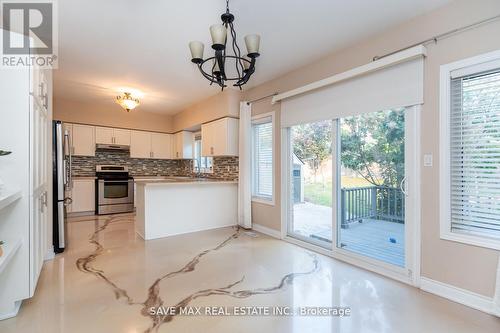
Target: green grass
(318,194)
(321,194)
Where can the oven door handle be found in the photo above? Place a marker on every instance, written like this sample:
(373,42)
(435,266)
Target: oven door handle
(115,181)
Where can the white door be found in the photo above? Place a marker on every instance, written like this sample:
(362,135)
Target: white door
(161,145)
(104,135)
(121,137)
(40,150)
(83,140)
(140,144)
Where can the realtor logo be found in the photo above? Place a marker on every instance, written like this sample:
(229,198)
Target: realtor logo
(29,35)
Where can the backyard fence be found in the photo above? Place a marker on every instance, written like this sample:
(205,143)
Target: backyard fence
(371,202)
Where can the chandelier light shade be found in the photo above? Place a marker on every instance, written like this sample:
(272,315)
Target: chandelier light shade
(252,43)
(127,102)
(215,69)
(219,35)
(196,50)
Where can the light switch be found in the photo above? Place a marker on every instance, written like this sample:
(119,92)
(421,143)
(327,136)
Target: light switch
(427,160)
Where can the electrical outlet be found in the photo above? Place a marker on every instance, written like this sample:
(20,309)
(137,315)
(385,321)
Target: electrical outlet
(427,160)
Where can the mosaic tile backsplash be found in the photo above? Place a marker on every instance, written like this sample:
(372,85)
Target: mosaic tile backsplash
(83,166)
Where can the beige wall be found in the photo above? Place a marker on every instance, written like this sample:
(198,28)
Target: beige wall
(114,116)
(223,104)
(461,265)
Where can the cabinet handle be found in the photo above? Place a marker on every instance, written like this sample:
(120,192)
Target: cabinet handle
(211,150)
(177,154)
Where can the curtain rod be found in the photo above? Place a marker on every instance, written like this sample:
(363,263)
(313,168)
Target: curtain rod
(441,36)
(261,98)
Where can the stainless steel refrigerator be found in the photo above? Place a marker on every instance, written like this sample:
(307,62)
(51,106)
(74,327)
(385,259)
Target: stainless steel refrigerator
(61,163)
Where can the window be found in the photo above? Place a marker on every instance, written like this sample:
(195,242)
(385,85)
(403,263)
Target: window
(201,164)
(262,158)
(471,162)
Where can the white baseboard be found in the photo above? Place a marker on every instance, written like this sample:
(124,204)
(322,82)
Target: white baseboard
(458,295)
(266,231)
(50,254)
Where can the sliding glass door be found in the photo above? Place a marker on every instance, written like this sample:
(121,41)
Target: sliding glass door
(311,176)
(346,187)
(371,176)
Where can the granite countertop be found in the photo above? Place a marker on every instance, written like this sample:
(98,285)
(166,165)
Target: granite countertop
(184,180)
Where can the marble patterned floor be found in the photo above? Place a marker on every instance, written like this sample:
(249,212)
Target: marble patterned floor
(109,277)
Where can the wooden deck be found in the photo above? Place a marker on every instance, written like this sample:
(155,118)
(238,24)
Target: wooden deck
(377,239)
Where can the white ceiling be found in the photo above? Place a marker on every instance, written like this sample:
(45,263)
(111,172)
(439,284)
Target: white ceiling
(105,46)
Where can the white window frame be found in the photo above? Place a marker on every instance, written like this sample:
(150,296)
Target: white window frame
(259,199)
(467,66)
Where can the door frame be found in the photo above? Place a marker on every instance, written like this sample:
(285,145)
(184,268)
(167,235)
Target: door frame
(411,273)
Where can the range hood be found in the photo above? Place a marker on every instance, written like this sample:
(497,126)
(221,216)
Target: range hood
(101,146)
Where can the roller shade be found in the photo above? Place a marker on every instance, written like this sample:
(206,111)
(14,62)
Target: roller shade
(394,86)
(475,152)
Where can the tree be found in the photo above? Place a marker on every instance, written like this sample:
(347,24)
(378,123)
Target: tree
(373,146)
(312,143)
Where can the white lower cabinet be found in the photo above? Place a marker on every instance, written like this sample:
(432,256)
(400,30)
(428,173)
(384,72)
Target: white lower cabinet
(82,195)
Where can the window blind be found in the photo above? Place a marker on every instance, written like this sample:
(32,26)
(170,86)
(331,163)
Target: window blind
(475,153)
(262,161)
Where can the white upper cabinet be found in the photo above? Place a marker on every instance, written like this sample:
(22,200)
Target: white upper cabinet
(183,145)
(103,135)
(220,137)
(140,144)
(121,136)
(150,145)
(161,146)
(83,140)
(108,136)
(207,140)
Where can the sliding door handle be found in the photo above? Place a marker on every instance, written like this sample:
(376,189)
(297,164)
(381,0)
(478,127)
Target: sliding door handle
(402,186)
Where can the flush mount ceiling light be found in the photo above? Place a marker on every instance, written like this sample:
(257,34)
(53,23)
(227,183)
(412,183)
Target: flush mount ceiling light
(215,71)
(127,102)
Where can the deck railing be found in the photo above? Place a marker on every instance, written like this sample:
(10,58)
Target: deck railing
(371,202)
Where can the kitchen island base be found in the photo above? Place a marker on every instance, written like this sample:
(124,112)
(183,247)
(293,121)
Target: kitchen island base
(173,208)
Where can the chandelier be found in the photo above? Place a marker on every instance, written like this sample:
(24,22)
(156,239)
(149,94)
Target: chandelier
(214,68)
(127,102)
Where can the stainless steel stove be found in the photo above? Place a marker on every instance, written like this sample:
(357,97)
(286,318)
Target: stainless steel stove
(114,190)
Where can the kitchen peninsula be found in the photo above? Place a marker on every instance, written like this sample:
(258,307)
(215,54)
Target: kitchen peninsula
(179,205)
